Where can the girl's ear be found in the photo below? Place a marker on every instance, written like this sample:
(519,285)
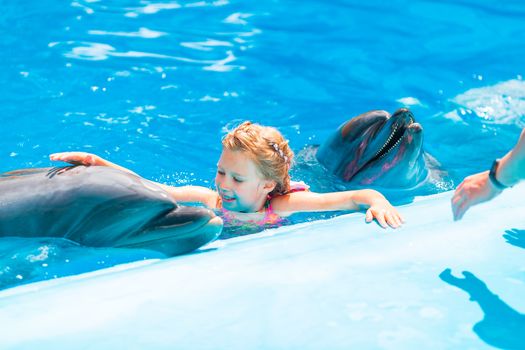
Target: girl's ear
(269,185)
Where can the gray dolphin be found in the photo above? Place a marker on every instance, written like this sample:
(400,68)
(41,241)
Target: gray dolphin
(101,207)
(378,149)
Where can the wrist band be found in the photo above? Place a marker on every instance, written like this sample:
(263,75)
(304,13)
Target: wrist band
(492,176)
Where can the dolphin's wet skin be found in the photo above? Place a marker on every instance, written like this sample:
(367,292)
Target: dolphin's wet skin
(101,207)
(379,149)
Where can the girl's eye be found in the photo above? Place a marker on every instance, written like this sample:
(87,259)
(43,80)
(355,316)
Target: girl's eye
(220,172)
(237,180)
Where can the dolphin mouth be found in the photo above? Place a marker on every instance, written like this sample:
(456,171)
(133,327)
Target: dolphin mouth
(181,231)
(403,121)
(211,227)
(371,144)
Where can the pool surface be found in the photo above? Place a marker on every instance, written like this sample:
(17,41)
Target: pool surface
(154,85)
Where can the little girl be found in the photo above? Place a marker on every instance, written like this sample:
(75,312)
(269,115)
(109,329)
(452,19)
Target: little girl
(253,182)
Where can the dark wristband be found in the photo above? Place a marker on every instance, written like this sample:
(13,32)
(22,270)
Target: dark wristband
(492,176)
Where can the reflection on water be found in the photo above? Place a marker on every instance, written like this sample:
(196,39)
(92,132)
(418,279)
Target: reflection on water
(25,260)
(502,326)
(502,103)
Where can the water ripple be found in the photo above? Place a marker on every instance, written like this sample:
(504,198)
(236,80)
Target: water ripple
(207,45)
(153,8)
(141,33)
(502,103)
(99,51)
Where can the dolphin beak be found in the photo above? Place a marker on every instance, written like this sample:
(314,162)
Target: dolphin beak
(180,231)
(404,116)
(415,128)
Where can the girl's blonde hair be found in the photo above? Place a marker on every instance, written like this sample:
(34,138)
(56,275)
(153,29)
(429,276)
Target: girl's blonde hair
(267,148)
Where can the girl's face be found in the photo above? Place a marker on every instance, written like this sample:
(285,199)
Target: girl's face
(239,183)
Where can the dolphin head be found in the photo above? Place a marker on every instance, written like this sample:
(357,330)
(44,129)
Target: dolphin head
(179,231)
(101,207)
(376,148)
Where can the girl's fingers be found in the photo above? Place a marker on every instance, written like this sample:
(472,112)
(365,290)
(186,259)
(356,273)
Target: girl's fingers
(397,219)
(74,158)
(380,217)
(401,218)
(89,160)
(369,216)
(59,156)
(393,221)
(390,219)
(384,217)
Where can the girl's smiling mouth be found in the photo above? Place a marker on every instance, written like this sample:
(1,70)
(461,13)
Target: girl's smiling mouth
(227,199)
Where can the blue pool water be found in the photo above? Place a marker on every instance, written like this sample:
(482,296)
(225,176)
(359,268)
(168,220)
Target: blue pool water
(155,85)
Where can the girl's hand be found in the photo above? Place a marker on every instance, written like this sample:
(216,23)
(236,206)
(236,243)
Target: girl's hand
(385,214)
(77,158)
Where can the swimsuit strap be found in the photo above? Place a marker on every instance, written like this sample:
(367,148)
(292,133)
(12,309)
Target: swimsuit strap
(270,217)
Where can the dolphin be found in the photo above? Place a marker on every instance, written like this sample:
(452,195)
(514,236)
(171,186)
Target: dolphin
(101,207)
(378,149)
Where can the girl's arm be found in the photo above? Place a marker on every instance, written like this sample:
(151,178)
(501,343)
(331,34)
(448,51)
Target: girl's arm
(378,207)
(193,194)
(188,194)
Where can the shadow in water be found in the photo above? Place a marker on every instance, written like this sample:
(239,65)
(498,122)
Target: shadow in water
(502,327)
(515,237)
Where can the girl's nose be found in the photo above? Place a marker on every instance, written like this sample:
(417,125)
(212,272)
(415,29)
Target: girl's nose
(223,185)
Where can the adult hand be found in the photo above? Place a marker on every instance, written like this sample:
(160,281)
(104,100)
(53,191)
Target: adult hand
(474,189)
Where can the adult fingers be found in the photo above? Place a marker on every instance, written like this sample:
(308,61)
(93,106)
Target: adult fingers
(460,186)
(460,210)
(456,198)
(458,202)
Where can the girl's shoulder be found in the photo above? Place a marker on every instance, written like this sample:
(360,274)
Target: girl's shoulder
(284,203)
(295,186)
